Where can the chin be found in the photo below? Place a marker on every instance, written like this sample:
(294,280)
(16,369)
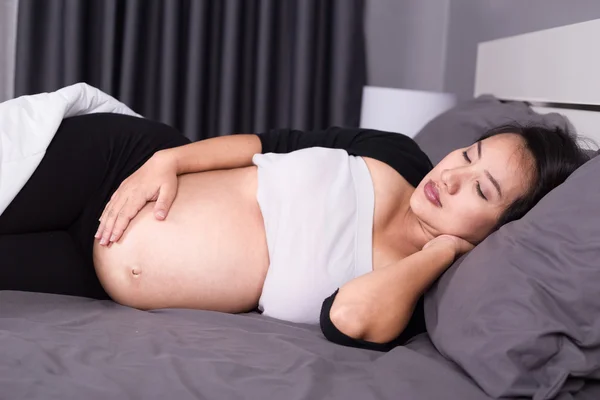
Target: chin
(421,205)
(415,204)
(424,211)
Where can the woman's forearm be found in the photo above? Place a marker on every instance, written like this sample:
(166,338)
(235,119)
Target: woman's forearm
(224,152)
(377,306)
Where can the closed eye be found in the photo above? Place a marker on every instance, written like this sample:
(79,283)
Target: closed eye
(466,156)
(480,192)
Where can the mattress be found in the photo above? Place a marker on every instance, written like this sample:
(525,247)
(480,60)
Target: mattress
(60,347)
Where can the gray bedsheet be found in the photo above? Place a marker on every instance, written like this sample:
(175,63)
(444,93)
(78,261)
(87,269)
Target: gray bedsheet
(61,347)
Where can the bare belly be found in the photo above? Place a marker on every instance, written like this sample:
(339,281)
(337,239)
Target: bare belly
(210,253)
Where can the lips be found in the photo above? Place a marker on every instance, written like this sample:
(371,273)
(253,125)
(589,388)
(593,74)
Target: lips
(432,194)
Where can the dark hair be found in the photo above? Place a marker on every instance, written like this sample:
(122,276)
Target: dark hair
(556,155)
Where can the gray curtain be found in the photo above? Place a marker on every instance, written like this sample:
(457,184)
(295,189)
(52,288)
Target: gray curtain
(8,34)
(207,67)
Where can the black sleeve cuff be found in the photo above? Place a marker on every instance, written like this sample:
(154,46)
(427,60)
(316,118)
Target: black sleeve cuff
(333,334)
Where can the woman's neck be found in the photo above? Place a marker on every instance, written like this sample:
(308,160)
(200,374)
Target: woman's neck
(403,231)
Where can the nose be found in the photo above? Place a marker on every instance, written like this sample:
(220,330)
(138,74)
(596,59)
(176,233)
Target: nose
(454,178)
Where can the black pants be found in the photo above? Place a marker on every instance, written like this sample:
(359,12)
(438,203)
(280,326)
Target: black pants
(47,231)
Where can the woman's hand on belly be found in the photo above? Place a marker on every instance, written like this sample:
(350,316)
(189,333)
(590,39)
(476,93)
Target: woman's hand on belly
(210,253)
(156,180)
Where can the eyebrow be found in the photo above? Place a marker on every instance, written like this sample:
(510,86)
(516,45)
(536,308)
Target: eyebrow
(491,178)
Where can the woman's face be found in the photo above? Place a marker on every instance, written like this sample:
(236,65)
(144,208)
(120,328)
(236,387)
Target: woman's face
(467,192)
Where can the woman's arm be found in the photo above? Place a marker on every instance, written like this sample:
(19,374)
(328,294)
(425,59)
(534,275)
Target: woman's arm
(236,151)
(224,152)
(156,180)
(377,306)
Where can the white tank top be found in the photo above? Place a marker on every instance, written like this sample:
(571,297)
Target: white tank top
(317,205)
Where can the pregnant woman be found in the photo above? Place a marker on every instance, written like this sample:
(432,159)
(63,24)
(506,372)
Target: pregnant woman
(345,227)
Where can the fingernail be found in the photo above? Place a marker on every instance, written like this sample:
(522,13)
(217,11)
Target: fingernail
(113,237)
(103,241)
(97,235)
(160,214)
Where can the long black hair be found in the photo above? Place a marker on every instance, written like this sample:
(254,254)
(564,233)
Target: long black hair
(556,155)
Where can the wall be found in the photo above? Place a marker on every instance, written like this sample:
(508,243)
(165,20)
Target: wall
(406,43)
(474,21)
(8,26)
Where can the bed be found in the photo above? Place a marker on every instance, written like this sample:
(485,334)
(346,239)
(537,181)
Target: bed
(60,347)
(554,70)
(66,347)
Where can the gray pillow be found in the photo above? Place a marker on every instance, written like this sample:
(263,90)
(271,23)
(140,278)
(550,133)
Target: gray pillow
(465,123)
(521,312)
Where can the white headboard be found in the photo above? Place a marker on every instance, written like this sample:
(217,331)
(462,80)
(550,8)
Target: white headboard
(556,70)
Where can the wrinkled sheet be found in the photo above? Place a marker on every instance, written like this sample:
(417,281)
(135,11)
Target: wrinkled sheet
(60,347)
(63,347)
